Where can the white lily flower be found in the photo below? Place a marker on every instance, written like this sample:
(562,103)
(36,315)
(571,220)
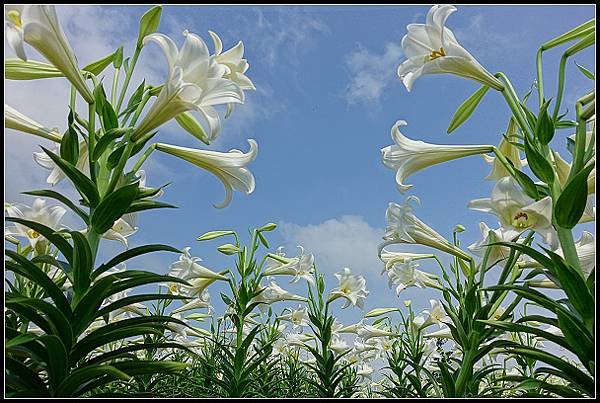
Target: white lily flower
(365,371)
(431,48)
(391,258)
(123,228)
(229,167)
(443,333)
(338,345)
(38,26)
(352,288)
(498,253)
(56,174)
(188,268)
(437,314)
(300,267)
(203,301)
(517,211)
(234,61)
(274,293)
(405,275)
(510,152)
(298,317)
(585,247)
(404,226)
(49,216)
(298,339)
(408,156)
(13,119)
(366,331)
(195,82)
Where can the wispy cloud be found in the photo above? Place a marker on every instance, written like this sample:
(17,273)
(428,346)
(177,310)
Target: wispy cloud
(371,72)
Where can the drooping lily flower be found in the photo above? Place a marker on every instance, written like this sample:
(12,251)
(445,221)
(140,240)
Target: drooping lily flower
(404,226)
(274,293)
(351,287)
(431,48)
(300,267)
(203,301)
(13,119)
(56,174)
(517,211)
(229,167)
(195,82)
(406,274)
(38,26)
(366,332)
(408,156)
(188,268)
(49,216)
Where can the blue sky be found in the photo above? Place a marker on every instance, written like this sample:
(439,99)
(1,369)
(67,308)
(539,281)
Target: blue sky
(327,96)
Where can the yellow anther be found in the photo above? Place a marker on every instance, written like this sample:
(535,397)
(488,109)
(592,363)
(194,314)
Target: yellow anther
(435,54)
(33,234)
(521,220)
(15,17)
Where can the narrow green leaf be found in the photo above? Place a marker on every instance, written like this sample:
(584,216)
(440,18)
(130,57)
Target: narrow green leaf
(540,166)
(98,66)
(82,262)
(131,253)
(61,198)
(586,72)
(466,109)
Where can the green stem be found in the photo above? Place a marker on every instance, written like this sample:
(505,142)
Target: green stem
(514,104)
(143,158)
(567,244)
(92,139)
(540,77)
(465,373)
(128,74)
(113,93)
(587,41)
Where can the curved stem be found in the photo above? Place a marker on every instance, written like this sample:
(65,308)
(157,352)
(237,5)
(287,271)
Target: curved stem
(514,104)
(128,74)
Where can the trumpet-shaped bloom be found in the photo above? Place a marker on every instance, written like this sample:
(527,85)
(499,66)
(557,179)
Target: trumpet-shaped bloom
(202,301)
(188,268)
(13,119)
(391,258)
(431,48)
(437,314)
(298,317)
(406,274)
(56,174)
(366,332)
(122,229)
(38,26)
(229,167)
(408,156)
(498,253)
(195,82)
(274,293)
(404,226)
(517,211)
(299,267)
(351,287)
(49,216)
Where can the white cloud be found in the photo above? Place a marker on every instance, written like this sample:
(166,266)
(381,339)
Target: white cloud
(336,243)
(371,73)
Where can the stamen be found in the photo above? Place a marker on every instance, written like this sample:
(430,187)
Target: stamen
(15,17)
(435,54)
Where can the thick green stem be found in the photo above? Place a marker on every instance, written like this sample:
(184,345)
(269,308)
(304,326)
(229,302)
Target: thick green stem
(465,373)
(567,244)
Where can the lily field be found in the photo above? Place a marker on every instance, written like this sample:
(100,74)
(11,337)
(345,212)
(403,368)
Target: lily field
(459,263)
